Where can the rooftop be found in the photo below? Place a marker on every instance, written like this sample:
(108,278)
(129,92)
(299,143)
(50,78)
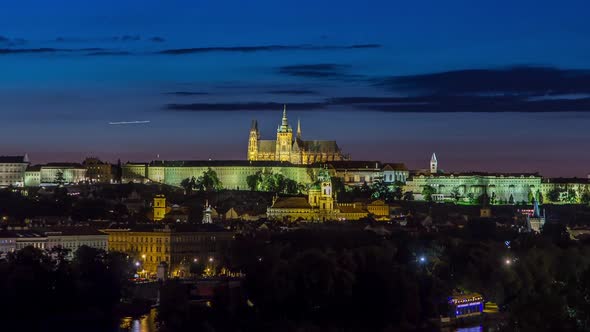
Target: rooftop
(13,160)
(291,203)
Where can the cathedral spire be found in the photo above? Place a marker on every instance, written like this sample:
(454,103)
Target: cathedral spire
(284,127)
(298,128)
(433,164)
(284,123)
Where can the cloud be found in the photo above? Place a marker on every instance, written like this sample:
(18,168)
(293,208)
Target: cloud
(320,70)
(187,93)
(476,104)
(5,41)
(108,53)
(31,50)
(157,39)
(521,80)
(293,92)
(250,106)
(262,48)
(121,38)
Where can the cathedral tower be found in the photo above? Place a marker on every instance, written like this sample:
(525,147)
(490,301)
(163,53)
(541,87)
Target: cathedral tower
(433,164)
(253,141)
(284,139)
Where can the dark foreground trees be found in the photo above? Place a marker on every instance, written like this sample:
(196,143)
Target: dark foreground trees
(41,291)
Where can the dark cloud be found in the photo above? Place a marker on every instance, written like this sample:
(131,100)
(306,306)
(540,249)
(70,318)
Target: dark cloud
(187,93)
(320,70)
(293,92)
(253,106)
(523,80)
(107,53)
(513,89)
(31,50)
(157,39)
(122,38)
(483,104)
(261,48)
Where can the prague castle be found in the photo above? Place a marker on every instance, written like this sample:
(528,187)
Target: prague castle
(287,148)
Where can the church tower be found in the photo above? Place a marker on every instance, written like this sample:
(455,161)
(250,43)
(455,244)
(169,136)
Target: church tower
(284,139)
(253,141)
(433,164)
(159,207)
(326,198)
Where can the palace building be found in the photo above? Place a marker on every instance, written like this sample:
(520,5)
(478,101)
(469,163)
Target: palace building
(175,244)
(287,148)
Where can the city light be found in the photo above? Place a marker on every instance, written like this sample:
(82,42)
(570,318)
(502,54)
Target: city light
(195,260)
(422,259)
(137,264)
(210,259)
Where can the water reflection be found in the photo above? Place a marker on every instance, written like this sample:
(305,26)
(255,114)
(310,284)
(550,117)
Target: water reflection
(146,323)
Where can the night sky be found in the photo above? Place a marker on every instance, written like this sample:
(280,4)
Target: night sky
(487,85)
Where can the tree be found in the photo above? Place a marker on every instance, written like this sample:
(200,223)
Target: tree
(209,181)
(456,194)
(531,196)
(408,196)
(554,195)
(380,189)
(572,196)
(59,178)
(511,199)
(585,198)
(188,184)
(540,198)
(292,187)
(338,186)
(427,192)
(397,193)
(254,180)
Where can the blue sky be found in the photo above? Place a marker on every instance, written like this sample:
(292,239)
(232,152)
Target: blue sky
(192,68)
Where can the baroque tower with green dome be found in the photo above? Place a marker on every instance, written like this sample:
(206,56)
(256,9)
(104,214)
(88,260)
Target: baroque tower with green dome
(320,194)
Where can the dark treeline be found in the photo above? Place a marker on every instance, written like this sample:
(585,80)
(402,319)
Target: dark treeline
(41,291)
(345,279)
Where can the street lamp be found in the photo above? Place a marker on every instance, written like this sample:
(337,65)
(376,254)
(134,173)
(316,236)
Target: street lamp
(195,260)
(210,259)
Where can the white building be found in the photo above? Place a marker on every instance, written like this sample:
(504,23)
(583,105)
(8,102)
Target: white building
(52,173)
(72,238)
(7,243)
(12,170)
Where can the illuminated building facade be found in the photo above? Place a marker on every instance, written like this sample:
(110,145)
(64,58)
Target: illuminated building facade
(12,170)
(173,244)
(231,173)
(48,174)
(501,188)
(358,173)
(319,205)
(97,171)
(287,148)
